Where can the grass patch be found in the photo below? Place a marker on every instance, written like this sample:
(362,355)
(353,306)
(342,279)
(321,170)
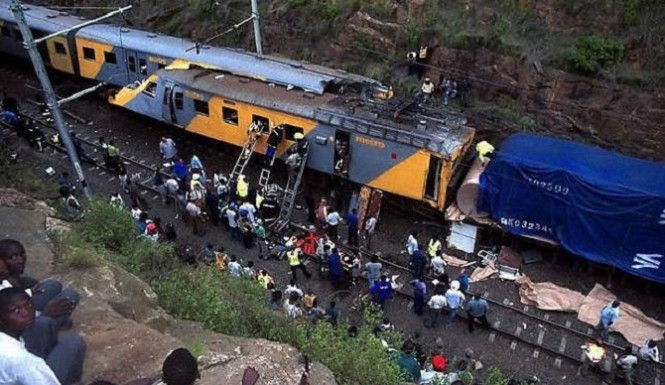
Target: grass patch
(21,175)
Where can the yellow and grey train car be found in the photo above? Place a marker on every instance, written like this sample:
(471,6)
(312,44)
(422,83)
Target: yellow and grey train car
(218,92)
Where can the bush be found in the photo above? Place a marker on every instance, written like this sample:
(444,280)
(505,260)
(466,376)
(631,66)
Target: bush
(106,226)
(238,306)
(594,53)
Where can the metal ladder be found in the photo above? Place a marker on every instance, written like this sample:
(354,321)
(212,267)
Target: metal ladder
(245,155)
(264,177)
(289,198)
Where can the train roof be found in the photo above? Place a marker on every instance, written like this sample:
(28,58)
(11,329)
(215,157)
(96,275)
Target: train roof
(271,69)
(366,117)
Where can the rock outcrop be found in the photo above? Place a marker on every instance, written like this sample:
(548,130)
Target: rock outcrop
(127,333)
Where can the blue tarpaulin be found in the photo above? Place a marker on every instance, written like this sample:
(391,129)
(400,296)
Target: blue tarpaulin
(602,206)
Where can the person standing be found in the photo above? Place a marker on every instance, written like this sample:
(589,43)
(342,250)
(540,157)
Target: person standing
(370,228)
(295,263)
(433,247)
(383,290)
(260,233)
(373,268)
(334,266)
(608,316)
(332,220)
(419,292)
(625,364)
(160,185)
(418,263)
(436,304)
(194,214)
(352,226)
(455,300)
(477,310)
(412,244)
(167,148)
(438,266)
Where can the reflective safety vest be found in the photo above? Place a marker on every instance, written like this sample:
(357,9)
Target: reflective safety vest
(293,258)
(112,150)
(433,246)
(483,148)
(264,280)
(595,353)
(243,188)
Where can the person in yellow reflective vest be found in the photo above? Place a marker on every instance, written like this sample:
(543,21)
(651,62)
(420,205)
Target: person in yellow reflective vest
(266,280)
(483,149)
(293,257)
(433,246)
(594,354)
(243,187)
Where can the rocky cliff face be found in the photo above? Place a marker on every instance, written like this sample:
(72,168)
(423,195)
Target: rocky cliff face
(127,333)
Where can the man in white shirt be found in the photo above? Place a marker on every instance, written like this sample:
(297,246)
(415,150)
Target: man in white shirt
(649,351)
(436,303)
(168,149)
(455,300)
(412,243)
(333,220)
(62,364)
(292,289)
(370,228)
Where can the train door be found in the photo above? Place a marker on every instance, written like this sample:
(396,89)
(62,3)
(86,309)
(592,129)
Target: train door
(433,179)
(168,109)
(137,66)
(342,154)
(177,115)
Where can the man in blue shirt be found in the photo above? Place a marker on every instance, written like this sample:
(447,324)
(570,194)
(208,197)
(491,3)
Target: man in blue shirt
(477,310)
(418,263)
(383,290)
(419,292)
(352,223)
(608,317)
(335,267)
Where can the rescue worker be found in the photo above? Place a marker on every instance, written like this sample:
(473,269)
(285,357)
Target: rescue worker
(274,139)
(113,154)
(594,353)
(302,145)
(483,149)
(242,188)
(433,246)
(293,257)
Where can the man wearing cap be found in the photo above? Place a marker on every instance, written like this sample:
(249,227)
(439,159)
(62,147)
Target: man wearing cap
(168,149)
(427,89)
(483,149)
(293,257)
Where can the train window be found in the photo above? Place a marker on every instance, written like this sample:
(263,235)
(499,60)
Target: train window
(131,63)
(89,53)
(290,131)
(178,101)
(60,48)
(161,66)
(201,107)
(263,122)
(110,58)
(143,67)
(150,89)
(230,115)
(433,178)
(5,31)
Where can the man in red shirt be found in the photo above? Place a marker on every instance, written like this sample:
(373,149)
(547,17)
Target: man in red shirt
(438,361)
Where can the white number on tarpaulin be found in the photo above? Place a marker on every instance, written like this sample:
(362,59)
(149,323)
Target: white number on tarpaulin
(662,218)
(646,261)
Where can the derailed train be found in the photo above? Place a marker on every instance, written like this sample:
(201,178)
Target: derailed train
(349,120)
(562,195)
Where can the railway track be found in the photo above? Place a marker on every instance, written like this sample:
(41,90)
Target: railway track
(523,325)
(543,335)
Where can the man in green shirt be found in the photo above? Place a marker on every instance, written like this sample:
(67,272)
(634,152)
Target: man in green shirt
(407,363)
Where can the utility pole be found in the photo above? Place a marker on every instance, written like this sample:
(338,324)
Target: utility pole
(257,28)
(50,97)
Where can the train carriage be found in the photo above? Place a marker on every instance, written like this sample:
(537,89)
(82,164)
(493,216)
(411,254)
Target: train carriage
(217,92)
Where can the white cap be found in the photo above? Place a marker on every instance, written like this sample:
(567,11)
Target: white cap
(454,285)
